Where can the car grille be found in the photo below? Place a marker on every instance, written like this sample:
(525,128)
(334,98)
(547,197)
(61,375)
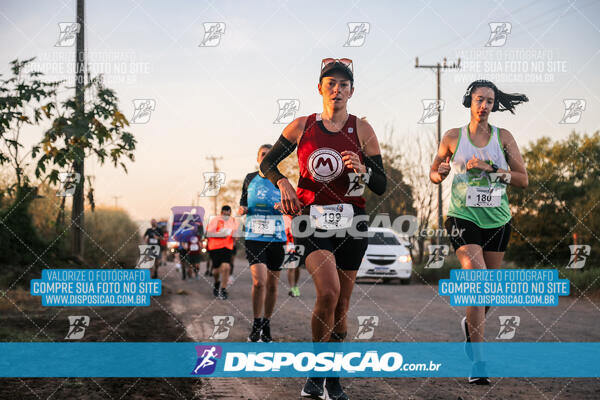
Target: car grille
(380,261)
(377,272)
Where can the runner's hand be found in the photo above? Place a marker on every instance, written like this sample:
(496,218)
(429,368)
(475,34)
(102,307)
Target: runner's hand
(290,204)
(352,161)
(444,168)
(474,162)
(242,210)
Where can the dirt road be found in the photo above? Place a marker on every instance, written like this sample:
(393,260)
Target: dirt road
(406,313)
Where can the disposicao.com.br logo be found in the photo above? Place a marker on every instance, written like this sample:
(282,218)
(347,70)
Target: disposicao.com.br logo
(265,362)
(320,362)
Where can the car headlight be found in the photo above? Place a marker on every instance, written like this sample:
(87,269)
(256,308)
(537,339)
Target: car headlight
(404,259)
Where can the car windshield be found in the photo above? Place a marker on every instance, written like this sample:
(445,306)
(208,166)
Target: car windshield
(383,238)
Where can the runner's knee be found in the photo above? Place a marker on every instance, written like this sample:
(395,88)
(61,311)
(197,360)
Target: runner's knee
(258,283)
(342,305)
(271,285)
(329,296)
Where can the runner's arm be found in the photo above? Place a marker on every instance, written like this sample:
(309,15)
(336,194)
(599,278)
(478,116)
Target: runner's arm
(518,171)
(284,146)
(370,145)
(440,168)
(244,199)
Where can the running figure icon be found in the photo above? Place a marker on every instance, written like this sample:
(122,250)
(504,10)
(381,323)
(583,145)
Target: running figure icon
(223,325)
(78,325)
(207,359)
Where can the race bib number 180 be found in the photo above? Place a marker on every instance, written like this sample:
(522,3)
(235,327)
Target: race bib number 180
(483,196)
(334,216)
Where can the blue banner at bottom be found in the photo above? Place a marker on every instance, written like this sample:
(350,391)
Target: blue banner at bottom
(352,359)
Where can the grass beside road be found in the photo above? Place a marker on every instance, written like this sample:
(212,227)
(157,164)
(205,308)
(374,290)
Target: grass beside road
(584,281)
(22,323)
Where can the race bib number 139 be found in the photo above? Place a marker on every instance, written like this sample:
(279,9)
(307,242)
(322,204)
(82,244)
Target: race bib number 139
(334,216)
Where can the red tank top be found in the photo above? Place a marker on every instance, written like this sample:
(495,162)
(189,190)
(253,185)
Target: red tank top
(323,175)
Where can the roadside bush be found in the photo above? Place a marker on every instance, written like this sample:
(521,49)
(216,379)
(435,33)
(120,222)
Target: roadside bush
(584,281)
(111,239)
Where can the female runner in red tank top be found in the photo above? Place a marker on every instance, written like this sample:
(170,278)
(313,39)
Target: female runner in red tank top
(334,147)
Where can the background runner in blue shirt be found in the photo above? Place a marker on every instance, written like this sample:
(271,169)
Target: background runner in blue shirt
(265,245)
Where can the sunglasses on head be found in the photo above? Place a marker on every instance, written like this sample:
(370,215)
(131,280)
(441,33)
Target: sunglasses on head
(345,61)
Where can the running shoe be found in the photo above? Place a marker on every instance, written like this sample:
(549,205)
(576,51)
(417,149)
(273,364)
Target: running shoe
(265,334)
(216,289)
(334,389)
(479,374)
(294,292)
(465,329)
(223,294)
(255,333)
(313,389)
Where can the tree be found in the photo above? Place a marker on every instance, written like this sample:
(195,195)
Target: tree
(99,131)
(562,200)
(417,162)
(75,134)
(25,100)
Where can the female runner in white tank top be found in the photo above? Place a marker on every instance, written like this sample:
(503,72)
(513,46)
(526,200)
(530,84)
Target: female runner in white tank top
(484,159)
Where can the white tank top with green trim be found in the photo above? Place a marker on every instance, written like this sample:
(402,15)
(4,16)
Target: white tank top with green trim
(476,196)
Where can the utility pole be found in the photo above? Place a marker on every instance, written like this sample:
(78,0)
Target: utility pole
(215,169)
(116,198)
(438,69)
(77,217)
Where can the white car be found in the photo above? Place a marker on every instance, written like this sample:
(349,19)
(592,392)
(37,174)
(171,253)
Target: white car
(387,257)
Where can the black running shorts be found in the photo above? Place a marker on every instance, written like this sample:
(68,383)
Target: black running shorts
(269,253)
(348,250)
(462,232)
(220,256)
